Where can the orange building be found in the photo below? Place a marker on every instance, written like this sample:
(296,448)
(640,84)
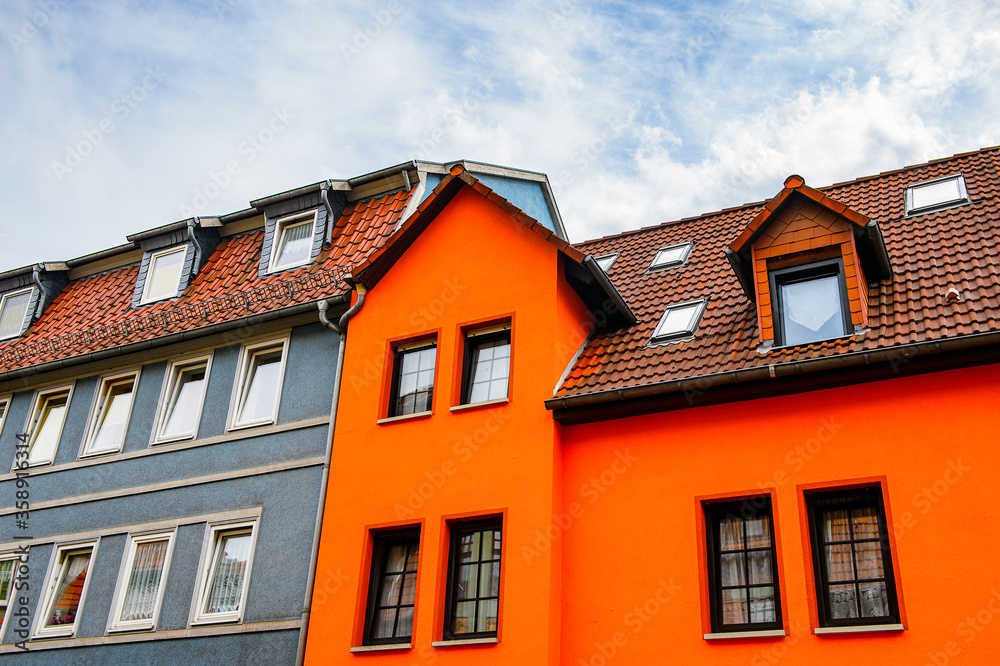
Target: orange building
(762,435)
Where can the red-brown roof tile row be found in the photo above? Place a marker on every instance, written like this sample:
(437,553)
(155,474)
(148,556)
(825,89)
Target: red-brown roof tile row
(95,313)
(929,253)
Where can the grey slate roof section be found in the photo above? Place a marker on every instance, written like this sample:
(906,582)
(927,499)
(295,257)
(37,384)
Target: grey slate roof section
(53,282)
(301,204)
(140,282)
(195,256)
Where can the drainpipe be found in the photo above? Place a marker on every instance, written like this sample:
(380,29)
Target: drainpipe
(36,278)
(340,328)
(192,223)
(324,193)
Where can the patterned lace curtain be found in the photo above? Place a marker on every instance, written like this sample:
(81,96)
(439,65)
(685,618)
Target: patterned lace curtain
(144,583)
(226,586)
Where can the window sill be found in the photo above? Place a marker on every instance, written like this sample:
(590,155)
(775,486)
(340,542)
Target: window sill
(404,417)
(477,405)
(250,424)
(382,648)
(858,629)
(770,633)
(467,641)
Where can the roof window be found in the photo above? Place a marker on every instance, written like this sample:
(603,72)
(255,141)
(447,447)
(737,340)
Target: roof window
(671,256)
(163,276)
(13,312)
(679,321)
(294,241)
(605,261)
(936,194)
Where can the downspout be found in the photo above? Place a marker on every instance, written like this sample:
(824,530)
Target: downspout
(192,223)
(340,328)
(43,294)
(324,193)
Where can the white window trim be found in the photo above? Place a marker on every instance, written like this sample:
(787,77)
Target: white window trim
(124,574)
(208,549)
(91,431)
(51,577)
(12,598)
(27,310)
(242,374)
(963,195)
(613,256)
(5,400)
(654,267)
(36,400)
(166,391)
(146,298)
(686,334)
(279,226)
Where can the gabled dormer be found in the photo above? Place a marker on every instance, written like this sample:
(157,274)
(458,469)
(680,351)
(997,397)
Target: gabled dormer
(806,261)
(172,255)
(297,224)
(25,293)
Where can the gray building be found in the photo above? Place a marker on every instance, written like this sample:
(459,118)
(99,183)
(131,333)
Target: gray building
(166,408)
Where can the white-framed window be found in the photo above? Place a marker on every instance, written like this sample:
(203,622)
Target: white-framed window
(141,581)
(224,573)
(8,577)
(671,256)
(606,261)
(182,399)
(163,276)
(258,383)
(679,321)
(66,590)
(4,408)
(293,241)
(45,423)
(936,194)
(13,310)
(110,413)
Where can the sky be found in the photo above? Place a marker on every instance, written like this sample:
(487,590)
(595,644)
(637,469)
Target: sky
(118,116)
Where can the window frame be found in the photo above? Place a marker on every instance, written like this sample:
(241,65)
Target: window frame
(151,267)
(173,371)
(713,511)
(214,532)
(17,558)
(382,540)
(241,389)
(44,393)
(611,257)
(97,408)
(115,623)
(687,333)
(870,495)
(281,225)
(779,277)
(27,309)
(473,338)
(53,575)
(655,268)
(963,197)
(456,529)
(398,352)
(5,400)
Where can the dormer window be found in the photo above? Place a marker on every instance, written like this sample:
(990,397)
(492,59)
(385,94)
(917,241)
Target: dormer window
(935,195)
(13,312)
(606,261)
(294,241)
(671,256)
(679,322)
(163,276)
(810,303)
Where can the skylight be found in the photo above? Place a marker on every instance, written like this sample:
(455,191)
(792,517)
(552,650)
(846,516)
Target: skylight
(679,321)
(605,261)
(164,275)
(935,194)
(13,308)
(670,256)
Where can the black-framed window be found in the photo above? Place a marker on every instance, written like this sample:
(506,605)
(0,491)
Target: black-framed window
(392,587)
(486,369)
(742,566)
(852,558)
(413,378)
(473,599)
(936,194)
(809,303)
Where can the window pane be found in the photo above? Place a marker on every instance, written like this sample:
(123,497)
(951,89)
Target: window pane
(669,256)
(864,521)
(12,314)
(6,576)
(874,600)
(734,606)
(731,533)
(144,581)
(762,604)
(490,369)
(185,402)
(868,558)
(760,566)
(733,572)
(415,381)
(113,411)
(225,586)
(758,532)
(391,612)
(68,588)
(262,383)
(843,602)
(677,320)
(811,310)
(48,427)
(935,193)
(835,526)
(164,275)
(487,615)
(838,562)
(465,617)
(295,244)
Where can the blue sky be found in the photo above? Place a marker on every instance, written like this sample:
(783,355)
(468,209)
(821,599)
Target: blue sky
(123,116)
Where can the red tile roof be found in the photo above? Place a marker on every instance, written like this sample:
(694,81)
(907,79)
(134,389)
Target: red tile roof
(930,253)
(95,313)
